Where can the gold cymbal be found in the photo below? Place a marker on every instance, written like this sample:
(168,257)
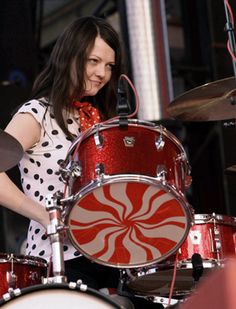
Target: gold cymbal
(210,102)
(11,151)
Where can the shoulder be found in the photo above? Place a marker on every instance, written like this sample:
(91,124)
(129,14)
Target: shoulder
(37,108)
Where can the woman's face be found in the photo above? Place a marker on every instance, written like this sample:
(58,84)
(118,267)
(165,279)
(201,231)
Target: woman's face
(98,68)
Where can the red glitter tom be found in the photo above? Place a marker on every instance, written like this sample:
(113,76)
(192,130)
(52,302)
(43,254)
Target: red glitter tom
(212,237)
(128,184)
(20,271)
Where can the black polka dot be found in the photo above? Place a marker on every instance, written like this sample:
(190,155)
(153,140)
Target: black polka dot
(29,253)
(36,176)
(36,193)
(27,104)
(44,237)
(33,247)
(40,198)
(59,146)
(38,163)
(32,160)
(30,228)
(41,180)
(45,144)
(49,171)
(50,188)
(68,138)
(25,170)
(30,151)
(47,155)
(65,248)
(34,110)
(28,186)
(69,121)
(27,245)
(59,161)
(32,237)
(76,253)
(41,253)
(52,116)
(54,132)
(37,231)
(22,180)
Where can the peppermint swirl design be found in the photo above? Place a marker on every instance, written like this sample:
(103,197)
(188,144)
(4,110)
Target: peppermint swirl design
(127,224)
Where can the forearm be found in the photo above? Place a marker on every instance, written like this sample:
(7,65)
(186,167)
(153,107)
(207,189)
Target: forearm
(14,199)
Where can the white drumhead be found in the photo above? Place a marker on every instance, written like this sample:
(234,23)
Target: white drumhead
(58,298)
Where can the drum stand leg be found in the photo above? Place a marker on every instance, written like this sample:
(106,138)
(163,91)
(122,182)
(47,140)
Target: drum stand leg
(55,231)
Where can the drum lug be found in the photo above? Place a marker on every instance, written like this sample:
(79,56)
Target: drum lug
(98,139)
(161,172)
(11,279)
(160,141)
(76,169)
(100,170)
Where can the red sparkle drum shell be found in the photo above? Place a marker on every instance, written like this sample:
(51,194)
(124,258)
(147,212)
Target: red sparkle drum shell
(58,296)
(20,271)
(212,236)
(132,150)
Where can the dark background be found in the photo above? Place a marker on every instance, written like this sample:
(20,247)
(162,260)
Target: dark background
(202,58)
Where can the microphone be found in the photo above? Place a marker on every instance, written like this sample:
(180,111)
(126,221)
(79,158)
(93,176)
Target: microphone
(197,266)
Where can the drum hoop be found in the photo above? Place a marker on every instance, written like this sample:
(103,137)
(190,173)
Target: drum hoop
(133,178)
(65,286)
(217,218)
(22,259)
(133,123)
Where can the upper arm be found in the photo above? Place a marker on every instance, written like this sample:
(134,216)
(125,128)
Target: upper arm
(25,128)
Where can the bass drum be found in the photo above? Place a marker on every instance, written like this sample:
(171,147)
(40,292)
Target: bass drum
(129,194)
(58,296)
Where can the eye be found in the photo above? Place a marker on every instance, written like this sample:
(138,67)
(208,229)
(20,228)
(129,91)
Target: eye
(110,66)
(92,60)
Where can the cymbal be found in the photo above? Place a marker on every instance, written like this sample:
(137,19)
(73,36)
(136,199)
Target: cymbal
(11,151)
(210,102)
(231,170)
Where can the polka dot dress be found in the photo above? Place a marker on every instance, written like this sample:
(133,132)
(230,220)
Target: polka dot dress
(40,174)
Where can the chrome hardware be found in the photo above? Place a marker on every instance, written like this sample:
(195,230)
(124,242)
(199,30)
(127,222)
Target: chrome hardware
(98,138)
(99,170)
(160,141)
(129,141)
(161,172)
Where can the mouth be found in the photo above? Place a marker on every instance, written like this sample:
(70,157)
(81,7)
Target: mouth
(95,83)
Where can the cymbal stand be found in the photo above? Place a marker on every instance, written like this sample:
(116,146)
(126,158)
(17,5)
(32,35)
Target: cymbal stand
(229,28)
(55,231)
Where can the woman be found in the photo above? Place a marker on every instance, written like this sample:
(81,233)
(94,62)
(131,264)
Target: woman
(84,66)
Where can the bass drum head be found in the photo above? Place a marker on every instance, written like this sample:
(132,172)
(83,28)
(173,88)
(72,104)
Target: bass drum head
(59,296)
(128,221)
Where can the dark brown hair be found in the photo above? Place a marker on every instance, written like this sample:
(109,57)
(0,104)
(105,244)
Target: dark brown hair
(74,44)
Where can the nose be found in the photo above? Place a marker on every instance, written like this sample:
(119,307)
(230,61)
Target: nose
(100,70)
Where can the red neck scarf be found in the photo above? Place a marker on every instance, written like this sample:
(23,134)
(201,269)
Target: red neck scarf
(88,114)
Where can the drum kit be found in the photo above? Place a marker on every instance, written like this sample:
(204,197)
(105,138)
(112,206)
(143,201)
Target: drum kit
(125,206)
